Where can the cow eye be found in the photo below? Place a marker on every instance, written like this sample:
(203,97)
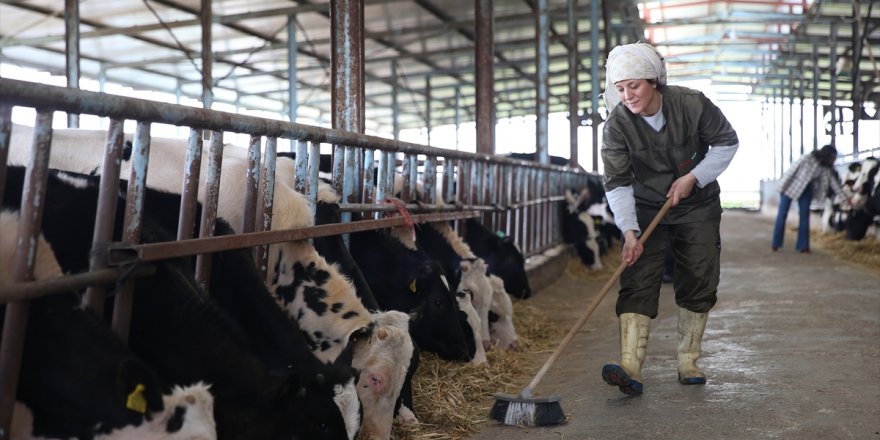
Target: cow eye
(438,303)
(322,427)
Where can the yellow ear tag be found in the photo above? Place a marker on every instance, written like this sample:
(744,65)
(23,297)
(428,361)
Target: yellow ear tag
(136,400)
(412,286)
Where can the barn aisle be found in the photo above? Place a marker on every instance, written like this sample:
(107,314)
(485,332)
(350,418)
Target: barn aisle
(792,351)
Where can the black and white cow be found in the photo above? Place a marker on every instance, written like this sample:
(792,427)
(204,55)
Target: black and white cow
(186,338)
(838,209)
(406,280)
(79,380)
(865,200)
(389,392)
(502,255)
(579,229)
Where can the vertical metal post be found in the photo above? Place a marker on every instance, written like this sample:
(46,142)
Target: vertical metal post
(484,57)
(131,234)
(428,108)
(206,18)
(301,176)
(5,135)
(574,120)
(395,108)
(105,218)
(856,75)
(791,118)
(209,206)
(347,41)
(542,77)
(457,117)
(71,53)
(429,176)
(252,185)
(832,69)
(30,219)
(186,222)
(381,173)
(816,78)
(292,84)
(314,168)
(801,98)
(264,213)
(595,87)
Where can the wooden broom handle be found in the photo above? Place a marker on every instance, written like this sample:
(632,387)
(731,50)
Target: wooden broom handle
(595,303)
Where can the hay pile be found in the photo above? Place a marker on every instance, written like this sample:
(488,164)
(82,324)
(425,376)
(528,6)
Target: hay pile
(453,399)
(865,252)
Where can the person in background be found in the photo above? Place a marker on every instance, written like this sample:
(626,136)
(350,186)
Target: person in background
(656,146)
(807,179)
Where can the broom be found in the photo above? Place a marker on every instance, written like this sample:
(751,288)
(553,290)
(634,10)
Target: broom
(526,410)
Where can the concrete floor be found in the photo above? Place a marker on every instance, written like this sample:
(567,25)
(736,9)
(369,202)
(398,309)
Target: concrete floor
(792,351)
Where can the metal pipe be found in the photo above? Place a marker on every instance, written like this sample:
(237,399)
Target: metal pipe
(301,176)
(265,210)
(124,254)
(595,88)
(30,219)
(26,291)
(542,108)
(132,223)
(292,84)
(251,184)
(209,206)
(206,18)
(816,77)
(5,135)
(485,75)
(106,212)
(71,52)
(186,222)
(832,69)
(574,121)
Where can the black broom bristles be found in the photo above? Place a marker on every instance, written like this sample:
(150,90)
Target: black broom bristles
(527,411)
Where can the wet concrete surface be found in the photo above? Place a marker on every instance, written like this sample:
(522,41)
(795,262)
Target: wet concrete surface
(791,351)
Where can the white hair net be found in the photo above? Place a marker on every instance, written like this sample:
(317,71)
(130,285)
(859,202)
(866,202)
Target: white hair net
(631,61)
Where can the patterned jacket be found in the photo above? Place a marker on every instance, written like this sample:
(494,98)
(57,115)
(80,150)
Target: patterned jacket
(807,170)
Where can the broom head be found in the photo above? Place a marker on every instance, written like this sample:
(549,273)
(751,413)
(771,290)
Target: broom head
(516,410)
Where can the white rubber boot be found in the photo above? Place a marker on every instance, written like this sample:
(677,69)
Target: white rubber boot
(627,375)
(690,338)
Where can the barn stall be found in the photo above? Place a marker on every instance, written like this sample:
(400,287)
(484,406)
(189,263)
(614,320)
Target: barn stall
(487,187)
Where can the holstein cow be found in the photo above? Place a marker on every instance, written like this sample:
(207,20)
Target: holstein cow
(82,151)
(465,264)
(865,200)
(79,380)
(387,394)
(502,255)
(579,229)
(405,280)
(838,209)
(187,338)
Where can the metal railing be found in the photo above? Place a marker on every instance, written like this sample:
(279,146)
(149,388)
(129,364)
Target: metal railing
(511,196)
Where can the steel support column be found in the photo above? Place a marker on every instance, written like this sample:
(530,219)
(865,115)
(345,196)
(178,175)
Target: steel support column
(856,76)
(542,110)
(594,79)
(71,35)
(816,78)
(347,57)
(484,29)
(574,121)
(292,87)
(206,17)
(832,69)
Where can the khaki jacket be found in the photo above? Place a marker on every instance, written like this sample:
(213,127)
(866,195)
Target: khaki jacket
(634,154)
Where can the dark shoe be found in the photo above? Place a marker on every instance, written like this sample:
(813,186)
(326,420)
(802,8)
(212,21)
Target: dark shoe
(614,374)
(805,251)
(775,248)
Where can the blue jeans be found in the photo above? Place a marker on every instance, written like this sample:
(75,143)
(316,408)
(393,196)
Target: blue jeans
(803,237)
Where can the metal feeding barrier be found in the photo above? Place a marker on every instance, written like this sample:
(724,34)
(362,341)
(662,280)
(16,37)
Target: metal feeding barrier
(514,197)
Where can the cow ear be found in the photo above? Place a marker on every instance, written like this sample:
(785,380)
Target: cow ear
(138,387)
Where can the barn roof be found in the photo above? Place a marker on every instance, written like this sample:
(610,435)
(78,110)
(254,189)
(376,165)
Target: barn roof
(746,49)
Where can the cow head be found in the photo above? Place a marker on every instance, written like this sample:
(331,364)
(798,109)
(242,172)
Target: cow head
(501,317)
(382,361)
(475,281)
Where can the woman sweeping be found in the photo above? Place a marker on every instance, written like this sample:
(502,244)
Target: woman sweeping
(660,142)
